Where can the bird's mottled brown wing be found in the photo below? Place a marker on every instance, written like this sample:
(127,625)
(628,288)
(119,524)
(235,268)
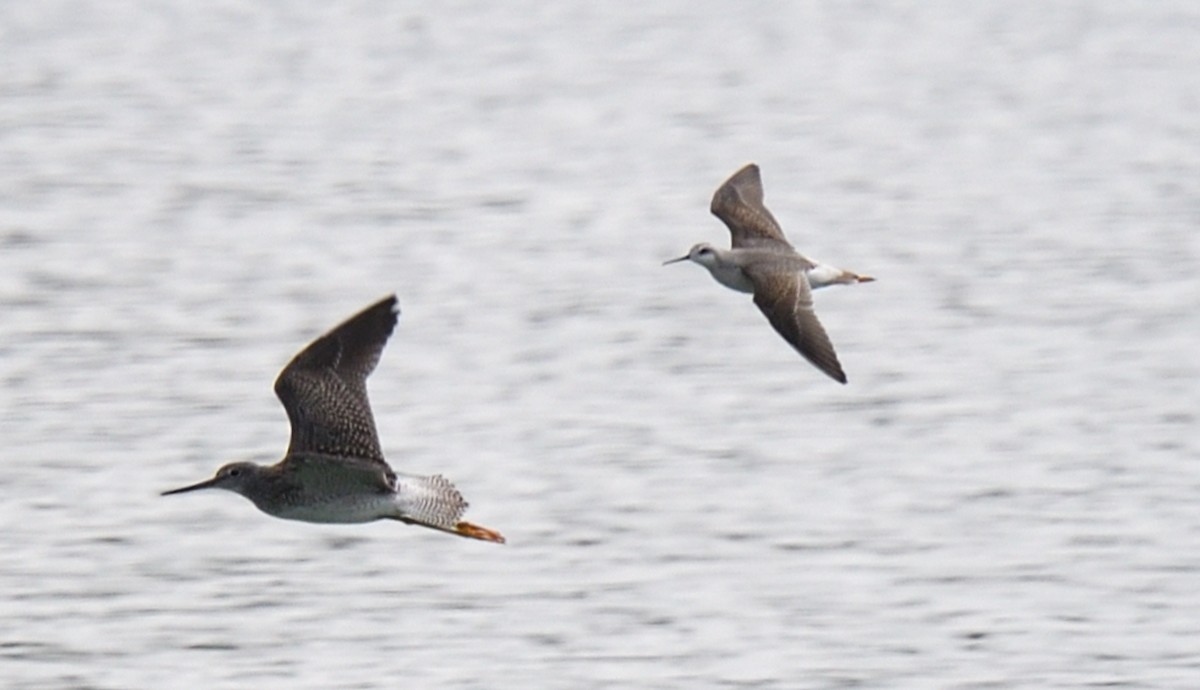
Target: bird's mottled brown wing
(785,297)
(324,388)
(739,204)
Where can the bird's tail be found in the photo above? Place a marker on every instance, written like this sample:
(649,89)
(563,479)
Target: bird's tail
(823,275)
(434,502)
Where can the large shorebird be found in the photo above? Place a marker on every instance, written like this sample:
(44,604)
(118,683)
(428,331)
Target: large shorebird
(334,471)
(764,263)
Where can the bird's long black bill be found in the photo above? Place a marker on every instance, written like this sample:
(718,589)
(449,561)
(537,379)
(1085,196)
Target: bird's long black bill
(685,257)
(207,483)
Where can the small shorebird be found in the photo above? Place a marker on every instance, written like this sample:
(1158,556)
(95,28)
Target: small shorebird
(334,471)
(764,263)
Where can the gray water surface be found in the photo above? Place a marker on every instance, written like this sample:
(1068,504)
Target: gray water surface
(1005,495)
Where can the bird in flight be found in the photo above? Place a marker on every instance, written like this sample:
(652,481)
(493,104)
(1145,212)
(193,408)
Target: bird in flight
(762,262)
(334,471)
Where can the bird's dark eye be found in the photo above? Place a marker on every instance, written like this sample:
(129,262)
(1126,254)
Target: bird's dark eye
(704,250)
(234,472)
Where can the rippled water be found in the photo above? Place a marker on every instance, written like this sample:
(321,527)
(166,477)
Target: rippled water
(1004,496)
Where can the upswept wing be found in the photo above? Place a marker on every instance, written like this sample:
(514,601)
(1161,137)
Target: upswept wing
(324,387)
(739,204)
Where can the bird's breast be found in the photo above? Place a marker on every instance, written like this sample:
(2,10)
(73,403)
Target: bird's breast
(732,277)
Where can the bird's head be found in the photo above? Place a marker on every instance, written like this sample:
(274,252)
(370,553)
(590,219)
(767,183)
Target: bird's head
(703,254)
(232,477)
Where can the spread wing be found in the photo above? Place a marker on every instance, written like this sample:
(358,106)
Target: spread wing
(785,297)
(324,388)
(739,204)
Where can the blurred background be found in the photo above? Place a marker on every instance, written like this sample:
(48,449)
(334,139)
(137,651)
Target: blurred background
(1005,495)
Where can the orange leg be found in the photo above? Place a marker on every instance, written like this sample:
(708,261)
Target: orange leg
(474,531)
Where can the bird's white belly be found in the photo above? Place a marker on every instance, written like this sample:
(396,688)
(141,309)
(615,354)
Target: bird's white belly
(343,510)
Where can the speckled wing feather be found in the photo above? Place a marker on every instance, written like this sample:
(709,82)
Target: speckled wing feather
(739,204)
(785,297)
(324,388)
